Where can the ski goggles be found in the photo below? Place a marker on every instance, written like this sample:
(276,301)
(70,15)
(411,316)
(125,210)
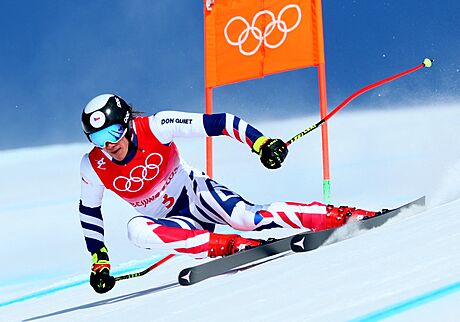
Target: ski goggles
(112,134)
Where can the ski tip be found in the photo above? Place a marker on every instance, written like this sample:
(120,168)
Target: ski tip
(428,62)
(184,277)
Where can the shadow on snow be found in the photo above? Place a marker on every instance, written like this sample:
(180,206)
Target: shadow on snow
(107,301)
(146,292)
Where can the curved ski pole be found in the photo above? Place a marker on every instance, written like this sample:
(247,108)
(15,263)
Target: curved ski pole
(145,271)
(426,63)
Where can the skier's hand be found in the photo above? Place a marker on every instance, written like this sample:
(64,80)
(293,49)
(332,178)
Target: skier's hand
(100,278)
(272,152)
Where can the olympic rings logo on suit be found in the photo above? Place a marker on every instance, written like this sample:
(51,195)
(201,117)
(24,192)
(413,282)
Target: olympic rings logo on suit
(261,36)
(139,174)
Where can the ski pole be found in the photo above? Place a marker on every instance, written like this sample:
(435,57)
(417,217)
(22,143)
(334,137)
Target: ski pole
(145,271)
(426,63)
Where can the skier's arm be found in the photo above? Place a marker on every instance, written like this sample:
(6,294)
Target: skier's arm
(92,191)
(168,125)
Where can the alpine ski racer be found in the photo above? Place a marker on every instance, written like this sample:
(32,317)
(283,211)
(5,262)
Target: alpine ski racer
(178,206)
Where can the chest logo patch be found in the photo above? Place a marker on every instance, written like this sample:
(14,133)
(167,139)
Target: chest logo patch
(139,174)
(101,163)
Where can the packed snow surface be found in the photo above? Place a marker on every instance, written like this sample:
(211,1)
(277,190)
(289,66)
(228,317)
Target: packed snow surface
(406,270)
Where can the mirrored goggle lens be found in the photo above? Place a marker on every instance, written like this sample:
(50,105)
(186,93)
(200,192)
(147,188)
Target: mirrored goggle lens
(111,134)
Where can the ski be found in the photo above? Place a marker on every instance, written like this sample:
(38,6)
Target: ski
(301,242)
(311,240)
(195,274)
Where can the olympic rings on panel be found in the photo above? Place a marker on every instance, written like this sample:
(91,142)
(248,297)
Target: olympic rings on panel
(261,36)
(139,174)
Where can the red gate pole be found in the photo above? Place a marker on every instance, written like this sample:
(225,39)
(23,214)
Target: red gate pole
(209,167)
(324,134)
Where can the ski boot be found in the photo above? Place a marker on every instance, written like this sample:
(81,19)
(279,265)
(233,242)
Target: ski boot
(338,216)
(224,245)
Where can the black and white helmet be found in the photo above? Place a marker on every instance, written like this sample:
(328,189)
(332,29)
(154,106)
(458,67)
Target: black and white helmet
(105,110)
(102,112)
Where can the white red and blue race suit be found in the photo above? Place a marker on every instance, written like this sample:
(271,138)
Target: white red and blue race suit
(178,205)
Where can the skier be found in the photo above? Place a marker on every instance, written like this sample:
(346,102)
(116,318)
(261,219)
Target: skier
(135,157)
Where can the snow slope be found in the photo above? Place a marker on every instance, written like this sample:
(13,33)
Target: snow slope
(406,270)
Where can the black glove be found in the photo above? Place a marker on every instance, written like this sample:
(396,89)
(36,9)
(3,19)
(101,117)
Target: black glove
(272,152)
(100,278)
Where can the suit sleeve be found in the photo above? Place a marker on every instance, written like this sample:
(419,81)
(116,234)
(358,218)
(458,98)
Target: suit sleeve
(92,191)
(168,125)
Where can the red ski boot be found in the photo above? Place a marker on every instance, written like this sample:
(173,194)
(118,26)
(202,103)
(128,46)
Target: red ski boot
(338,216)
(224,245)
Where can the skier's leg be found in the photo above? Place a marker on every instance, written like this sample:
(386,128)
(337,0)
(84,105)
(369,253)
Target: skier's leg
(172,236)
(169,235)
(315,216)
(215,201)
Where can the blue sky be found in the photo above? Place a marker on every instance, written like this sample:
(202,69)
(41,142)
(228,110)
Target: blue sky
(57,55)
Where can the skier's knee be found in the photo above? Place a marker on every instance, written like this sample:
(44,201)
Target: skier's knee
(242,218)
(137,228)
(244,222)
